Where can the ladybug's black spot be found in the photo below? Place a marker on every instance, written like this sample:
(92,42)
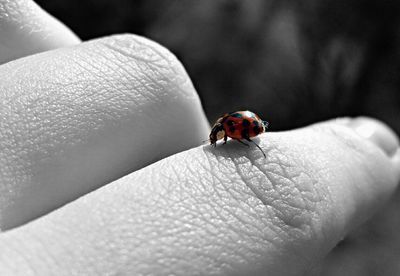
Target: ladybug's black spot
(232,129)
(245,133)
(236,115)
(255,123)
(230,123)
(256,130)
(245,122)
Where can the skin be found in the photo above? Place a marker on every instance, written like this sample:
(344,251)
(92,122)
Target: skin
(27,29)
(94,181)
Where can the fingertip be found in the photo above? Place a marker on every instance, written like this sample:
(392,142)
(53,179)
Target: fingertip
(375,137)
(377,132)
(382,136)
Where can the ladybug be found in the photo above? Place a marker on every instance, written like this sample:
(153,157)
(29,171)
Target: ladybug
(239,125)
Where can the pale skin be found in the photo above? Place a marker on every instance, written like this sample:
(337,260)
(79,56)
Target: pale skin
(100,114)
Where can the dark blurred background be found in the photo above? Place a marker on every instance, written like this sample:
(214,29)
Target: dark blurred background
(292,62)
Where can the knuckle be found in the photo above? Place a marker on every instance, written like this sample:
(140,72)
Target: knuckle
(152,80)
(147,64)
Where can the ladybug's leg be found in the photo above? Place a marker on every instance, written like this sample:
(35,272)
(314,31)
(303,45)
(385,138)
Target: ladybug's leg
(240,141)
(225,139)
(248,139)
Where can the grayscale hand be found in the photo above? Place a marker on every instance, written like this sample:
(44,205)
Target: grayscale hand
(102,171)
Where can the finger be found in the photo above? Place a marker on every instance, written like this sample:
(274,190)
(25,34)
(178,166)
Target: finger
(27,29)
(218,211)
(76,118)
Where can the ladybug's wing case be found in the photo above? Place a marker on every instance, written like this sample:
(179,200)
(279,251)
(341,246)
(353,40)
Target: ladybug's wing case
(256,126)
(237,114)
(233,127)
(238,125)
(243,125)
(243,114)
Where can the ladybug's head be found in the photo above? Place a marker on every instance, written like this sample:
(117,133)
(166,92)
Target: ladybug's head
(217,133)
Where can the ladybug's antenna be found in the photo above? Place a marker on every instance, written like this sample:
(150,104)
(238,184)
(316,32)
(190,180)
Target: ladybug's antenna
(266,124)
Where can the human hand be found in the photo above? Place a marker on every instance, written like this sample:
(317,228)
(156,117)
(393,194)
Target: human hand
(76,118)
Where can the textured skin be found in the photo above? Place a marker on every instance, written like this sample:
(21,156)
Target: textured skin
(213,211)
(76,118)
(26,29)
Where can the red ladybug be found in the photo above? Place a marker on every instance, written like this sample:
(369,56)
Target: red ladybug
(238,125)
